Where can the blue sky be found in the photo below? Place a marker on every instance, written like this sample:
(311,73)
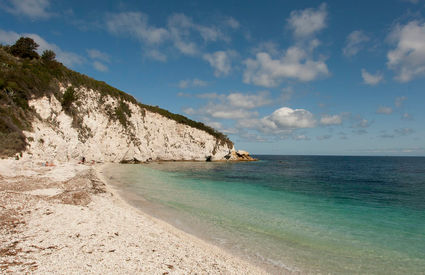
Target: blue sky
(279,77)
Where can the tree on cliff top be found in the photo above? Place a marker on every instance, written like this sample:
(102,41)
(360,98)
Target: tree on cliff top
(25,47)
(48,56)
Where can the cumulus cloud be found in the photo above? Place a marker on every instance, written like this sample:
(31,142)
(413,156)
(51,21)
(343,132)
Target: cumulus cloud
(99,58)
(399,101)
(296,63)
(135,24)
(220,61)
(8,37)
(372,79)
(305,23)
(233,105)
(156,55)
(360,123)
(180,32)
(181,29)
(96,54)
(267,46)
(331,120)
(100,66)
(286,118)
(223,112)
(354,43)
(34,9)
(249,101)
(67,58)
(282,121)
(384,110)
(232,22)
(192,83)
(406,116)
(407,59)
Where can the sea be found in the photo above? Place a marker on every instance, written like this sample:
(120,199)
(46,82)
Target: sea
(293,214)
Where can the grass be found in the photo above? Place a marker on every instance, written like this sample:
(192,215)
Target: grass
(25,79)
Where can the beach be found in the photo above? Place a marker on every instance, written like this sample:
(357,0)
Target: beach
(66,219)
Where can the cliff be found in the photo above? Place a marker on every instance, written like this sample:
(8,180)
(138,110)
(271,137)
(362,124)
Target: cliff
(49,112)
(144,135)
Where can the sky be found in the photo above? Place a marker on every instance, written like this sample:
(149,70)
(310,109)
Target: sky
(278,77)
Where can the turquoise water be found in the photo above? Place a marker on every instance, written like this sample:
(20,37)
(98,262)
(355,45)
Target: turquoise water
(305,214)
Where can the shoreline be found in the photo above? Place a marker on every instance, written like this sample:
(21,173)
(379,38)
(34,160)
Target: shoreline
(68,219)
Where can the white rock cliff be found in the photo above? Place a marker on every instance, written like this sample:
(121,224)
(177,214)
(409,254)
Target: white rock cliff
(147,135)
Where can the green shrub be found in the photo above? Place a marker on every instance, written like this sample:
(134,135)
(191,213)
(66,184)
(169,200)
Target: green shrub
(33,78)
(68,98)
(122,112)
(48,56)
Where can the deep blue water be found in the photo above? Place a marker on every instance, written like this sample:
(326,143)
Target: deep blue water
(312,214)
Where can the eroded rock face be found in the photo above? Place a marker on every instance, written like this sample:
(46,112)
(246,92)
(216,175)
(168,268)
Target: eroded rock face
(92,133)
(242,155)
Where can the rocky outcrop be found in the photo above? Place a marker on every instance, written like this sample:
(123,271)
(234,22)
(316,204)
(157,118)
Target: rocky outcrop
(91,130)
(241,155)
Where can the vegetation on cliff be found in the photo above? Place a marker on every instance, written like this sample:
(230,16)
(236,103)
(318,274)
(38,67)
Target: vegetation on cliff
(24,75)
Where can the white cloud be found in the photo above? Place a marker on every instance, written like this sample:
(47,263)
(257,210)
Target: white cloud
(271,66)
(67,58)
(330,120)
(156,55)
(296,63)
(301,137)
(100,66)
(286,118)
(384,110)
(305,23)
(192,83)
(220,61)
(235,106)
(8,37)
(233,23)
(210,96)
(408,58)
(354,43)
(180,33)
(181,29)
(179,26)
(372,79)
(360,123)
(220,112)
(249,101)
(96,54)
(406,116)
(189,111)
(399,101)
(136,25)
(268,46)
(34,9)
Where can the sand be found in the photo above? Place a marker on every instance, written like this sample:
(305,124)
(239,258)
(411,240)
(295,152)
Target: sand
(66,220)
